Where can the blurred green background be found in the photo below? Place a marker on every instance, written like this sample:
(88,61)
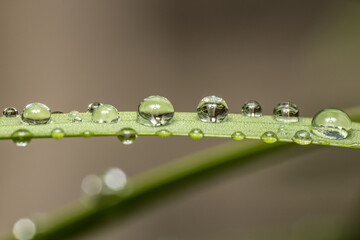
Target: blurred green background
(68,54)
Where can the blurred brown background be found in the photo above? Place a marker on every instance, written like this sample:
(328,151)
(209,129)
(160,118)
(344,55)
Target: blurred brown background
(68,54)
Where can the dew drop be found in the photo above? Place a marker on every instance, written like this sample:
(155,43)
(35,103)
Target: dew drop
(252,109)
(163,133)
(91,185)
(24,229)
(127,136)
(21,137)
(331,123)
(286,112)
(283,131)
(302,137)
(196,133)
(238,135)
(155,111)
(212,109)
(269,137)
(36,113)
(57,133)
(105,114)
(10,112)
(74,116)
(87,134)
(93,106)
(115,179)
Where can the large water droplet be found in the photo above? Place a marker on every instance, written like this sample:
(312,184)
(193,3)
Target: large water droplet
(252,109)
(21,137)
(286,112)
(238,135)
(24,229)
(212,109)
(115,179)
(10,112)
(36,113)
(93,106)
(127,135)
(91,185)
(196,133)
(302,137)
(269,137)
(57,133)
(163,133)
(74,116)
(155,111)
(105,114)
(331,123)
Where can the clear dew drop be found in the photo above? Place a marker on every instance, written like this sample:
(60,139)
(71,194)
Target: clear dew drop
(105,113)
(196,134)
(163,133)
(212,109)
(115,179)
(24,229)
(238,135)
(283,131)
(57,133)
(155,111)
(269,137)
(87,134)
(286,112)
(93,106)
(331,123)
(91,185)
(127,136)
(74,116)
(252,109)
(21,137)
(10,112)
(36,113)
(302,137)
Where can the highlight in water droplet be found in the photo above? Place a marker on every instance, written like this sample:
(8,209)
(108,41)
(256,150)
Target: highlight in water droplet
(24,229)
(269,137)
(196,134)
(21,137)
(10,112)
(252,109)
(105,114)
(238,135)
(57,133)
(155,111)
(302,137)
(286,112)
(36,113)
(93,106)
(115,179)
(74,116)
(91,185)
(163,133)
(212,109)
(127,136)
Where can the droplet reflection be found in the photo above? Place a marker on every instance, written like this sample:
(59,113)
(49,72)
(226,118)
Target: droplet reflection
(115,179)
(24,229)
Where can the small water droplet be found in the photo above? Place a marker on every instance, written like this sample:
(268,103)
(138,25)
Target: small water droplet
(105,114)
(252,109)
(115,179)
(302,137)
(127,135)
(196,134)
(57,133)
(21,137)
(24,229)
(331,123)
(87,134)
(163,133)
(283,131)
(74,116)
(155,111)
(286,112)
(36,113)
(91,185)
(93,106)
(238,135)
(212,109)
(269,137)
(10,112)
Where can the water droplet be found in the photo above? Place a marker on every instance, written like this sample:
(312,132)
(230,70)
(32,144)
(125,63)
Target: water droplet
(302,137)
(93,106)
(286,112)
(331,123)
(196,134)
(24,229)
(74,116)
(155,111)
(127,135)
(269,137)
(163,133)
(21,137)
(87,134)
(91,185)
(212,109)
(252,109)
(283,130)
(115,179)
(105,114)
(57,133)
(238,135)
(36,113)
(10,112)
